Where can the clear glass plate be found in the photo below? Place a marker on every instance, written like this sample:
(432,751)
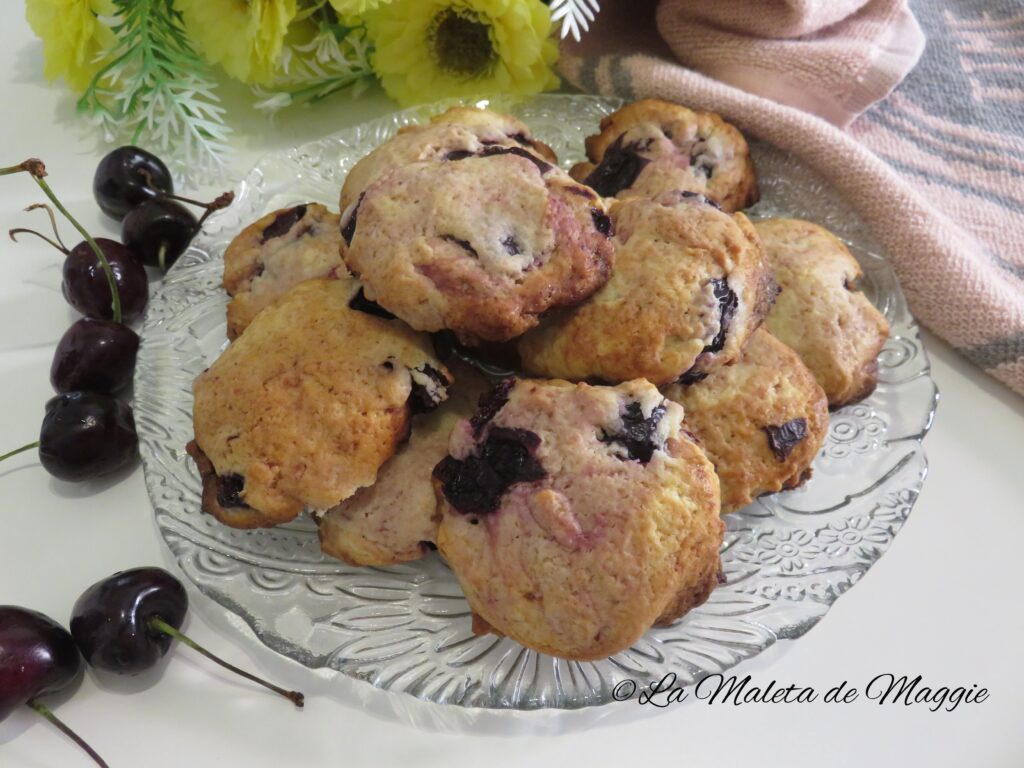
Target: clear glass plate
(406,628)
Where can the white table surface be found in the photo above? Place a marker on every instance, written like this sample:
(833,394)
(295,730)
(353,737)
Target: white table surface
(944,602)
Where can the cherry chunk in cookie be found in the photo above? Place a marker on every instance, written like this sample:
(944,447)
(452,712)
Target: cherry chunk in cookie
(691,283)
(653,146)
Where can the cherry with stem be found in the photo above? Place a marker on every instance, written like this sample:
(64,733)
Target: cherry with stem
(84,282)
(160,229)
(37,170)
(84,435)
(125,624)
(38,657)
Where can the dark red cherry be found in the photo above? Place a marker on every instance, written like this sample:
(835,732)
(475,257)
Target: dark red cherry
(94,355)
(86,435)
(37,657)
(125,623)
(85,283)
(128,176)
(159,231)
(110,621)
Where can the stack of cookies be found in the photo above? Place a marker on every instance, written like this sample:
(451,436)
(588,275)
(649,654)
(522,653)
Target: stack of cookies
(674,362)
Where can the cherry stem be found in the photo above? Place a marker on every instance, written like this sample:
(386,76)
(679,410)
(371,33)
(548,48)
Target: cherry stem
(43,710)
(33,165)
(53,221)
(16,451)
(221,201)
(159,625)
(23,231)
(35,168)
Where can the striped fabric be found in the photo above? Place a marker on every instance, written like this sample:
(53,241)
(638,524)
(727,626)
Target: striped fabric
(955,131)
(936,169)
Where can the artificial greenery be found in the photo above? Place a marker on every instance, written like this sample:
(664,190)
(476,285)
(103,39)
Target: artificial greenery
(145,68)
(336,58)
(156,91)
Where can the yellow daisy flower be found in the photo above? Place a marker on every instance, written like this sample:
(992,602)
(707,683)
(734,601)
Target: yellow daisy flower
(430,49)
(73,37)
(242,36)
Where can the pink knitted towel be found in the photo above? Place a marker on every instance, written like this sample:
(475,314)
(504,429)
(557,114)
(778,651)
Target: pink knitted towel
(936,171)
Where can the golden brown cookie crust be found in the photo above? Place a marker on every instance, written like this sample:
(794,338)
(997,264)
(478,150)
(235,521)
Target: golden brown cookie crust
(740,415)
(242,516)
(668,147)
(307,404)
(661,313)
(820,313)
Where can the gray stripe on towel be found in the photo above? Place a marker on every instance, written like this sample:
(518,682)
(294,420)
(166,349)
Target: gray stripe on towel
(994,353)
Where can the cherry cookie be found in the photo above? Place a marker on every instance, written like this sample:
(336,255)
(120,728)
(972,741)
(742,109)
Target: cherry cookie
(395,520)
(575,517)
(306,405)
(761,420)
(653,146)
(480,243)
(820,313)
(689,286)
(458,131)
(279,251)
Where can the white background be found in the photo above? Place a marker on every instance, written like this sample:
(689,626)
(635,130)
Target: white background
(944,602)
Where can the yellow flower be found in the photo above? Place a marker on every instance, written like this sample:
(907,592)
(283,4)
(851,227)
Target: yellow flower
(73,37)
(350,8)
(243,36)
(430,49)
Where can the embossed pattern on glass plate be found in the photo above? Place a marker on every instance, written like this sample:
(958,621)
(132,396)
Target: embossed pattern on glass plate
(787,557)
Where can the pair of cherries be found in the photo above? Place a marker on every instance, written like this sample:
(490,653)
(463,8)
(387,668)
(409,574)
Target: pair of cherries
(87,432)
(134,187)
(123,625)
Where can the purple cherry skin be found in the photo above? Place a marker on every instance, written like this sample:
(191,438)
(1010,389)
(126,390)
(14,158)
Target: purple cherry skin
(128,176)
(111,620)
(86,435)
(125,624)
(85,283)
(37,657)
(94,355)
(159,231)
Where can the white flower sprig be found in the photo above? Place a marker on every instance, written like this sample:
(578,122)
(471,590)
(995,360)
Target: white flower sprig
(576,15)
(335,59)
(157,91)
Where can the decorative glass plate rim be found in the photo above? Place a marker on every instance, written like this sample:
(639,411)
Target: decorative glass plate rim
(163,459)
